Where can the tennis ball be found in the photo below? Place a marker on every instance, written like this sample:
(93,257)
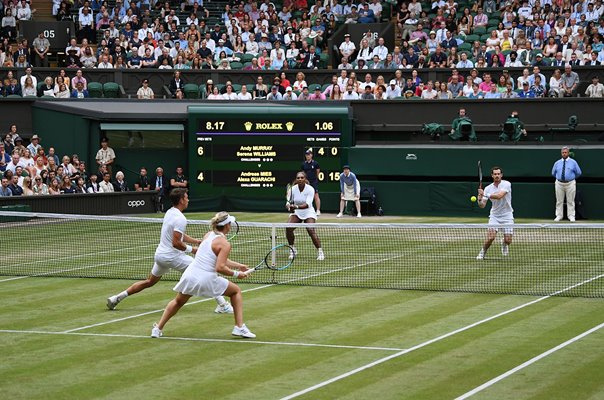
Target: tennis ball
(473,199)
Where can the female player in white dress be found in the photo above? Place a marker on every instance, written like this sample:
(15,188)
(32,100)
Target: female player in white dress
(301,209)
(201,277)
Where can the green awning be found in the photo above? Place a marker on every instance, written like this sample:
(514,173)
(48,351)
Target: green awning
(141,127)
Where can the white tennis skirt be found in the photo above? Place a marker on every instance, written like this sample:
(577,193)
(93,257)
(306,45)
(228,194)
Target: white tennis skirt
(195,282)
(349,192)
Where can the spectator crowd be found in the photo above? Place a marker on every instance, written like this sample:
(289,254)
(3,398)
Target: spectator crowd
(32,170)
(264,36)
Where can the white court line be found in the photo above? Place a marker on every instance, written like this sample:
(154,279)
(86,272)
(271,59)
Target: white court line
(527,363)
(431,341)
(331,346)
(153,312)
(204,300)
(74,269)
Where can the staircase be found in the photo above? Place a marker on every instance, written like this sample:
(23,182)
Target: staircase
(43,10)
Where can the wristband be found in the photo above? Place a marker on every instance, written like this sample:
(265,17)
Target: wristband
(235,274)
(189,249)
(296,207)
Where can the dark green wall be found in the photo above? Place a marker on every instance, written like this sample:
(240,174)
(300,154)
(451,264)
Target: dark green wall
(67,133)
(461,161)
(530,200)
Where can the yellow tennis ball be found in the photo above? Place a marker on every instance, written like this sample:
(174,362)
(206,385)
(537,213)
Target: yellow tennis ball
(473,199)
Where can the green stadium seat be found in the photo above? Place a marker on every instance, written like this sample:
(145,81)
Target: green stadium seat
(323,87)
(483,38)
(491,29)
(472,38)
(250,87)
(95,89)
(247,58)
(14,96)
(236,65)
(247,64)
(236,87)
(202,91)
(111,90)
(465,46)
(494,22)
(324,60)
(191,91)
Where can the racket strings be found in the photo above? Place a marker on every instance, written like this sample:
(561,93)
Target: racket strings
(280,257)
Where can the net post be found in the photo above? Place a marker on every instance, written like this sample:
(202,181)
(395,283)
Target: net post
(273,241)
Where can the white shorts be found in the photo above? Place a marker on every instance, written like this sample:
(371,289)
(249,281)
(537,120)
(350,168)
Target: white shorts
(201,283)
(508,230)
(163,263)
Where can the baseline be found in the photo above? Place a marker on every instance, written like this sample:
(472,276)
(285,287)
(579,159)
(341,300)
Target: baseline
(527,363)
(333,346)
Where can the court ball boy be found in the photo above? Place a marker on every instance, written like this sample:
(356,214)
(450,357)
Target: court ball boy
(500,194)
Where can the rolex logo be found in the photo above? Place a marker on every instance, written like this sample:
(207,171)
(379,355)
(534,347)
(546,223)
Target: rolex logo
(248,126)
(289,126)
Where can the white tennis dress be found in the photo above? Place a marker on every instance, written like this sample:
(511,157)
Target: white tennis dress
(306,196)
(201,278)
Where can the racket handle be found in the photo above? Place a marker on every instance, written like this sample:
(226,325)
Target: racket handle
(249,271)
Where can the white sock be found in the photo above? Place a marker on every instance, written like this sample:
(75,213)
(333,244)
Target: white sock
(122,295)
(220,300)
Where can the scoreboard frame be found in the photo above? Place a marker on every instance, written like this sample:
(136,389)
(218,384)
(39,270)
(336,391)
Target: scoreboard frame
(243,155)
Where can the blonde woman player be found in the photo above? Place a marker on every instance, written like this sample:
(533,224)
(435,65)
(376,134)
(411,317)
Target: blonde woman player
(201,278)
(500,194)
(300,206)
(170,253)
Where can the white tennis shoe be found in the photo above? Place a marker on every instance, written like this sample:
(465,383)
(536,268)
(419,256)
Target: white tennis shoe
(359,215)
(156,332)
(225,308)
(339,215)
(112,302)
(244,332)
(320,255)
(480,255)
(293,252)
(505,249)
(318,212)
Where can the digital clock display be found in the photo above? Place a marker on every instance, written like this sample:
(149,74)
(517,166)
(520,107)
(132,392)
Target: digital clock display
(252,153)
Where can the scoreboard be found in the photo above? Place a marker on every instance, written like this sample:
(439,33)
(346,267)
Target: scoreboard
(251,152)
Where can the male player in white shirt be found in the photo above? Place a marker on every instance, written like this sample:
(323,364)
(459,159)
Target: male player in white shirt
(500,194)
(171,252)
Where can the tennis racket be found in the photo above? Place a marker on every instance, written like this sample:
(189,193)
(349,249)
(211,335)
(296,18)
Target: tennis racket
(234,231)
(479,175)
(279,258)
(289,199)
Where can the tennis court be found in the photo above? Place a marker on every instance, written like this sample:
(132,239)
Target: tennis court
(461,335)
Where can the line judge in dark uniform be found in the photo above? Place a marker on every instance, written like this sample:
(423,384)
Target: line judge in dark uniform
(312,169)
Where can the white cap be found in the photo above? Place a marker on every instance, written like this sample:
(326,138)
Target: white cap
(229,219)
(393,82)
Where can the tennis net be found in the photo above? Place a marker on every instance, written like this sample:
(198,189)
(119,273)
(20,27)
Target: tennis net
(559,260)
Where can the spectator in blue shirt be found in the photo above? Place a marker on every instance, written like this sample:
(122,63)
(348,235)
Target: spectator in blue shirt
(526,92)
(566,171)
(366,15)
(4,189)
